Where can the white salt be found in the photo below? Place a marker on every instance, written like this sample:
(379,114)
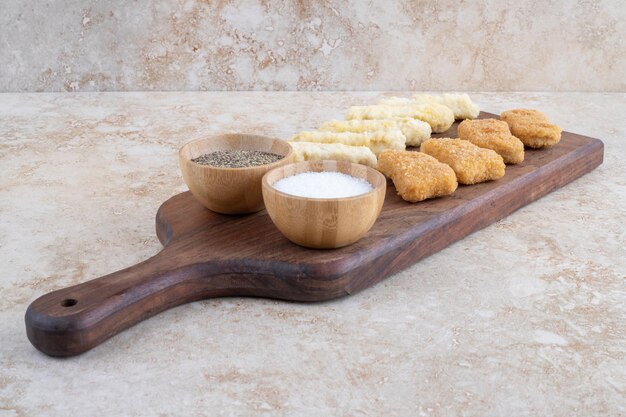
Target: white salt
(323,185)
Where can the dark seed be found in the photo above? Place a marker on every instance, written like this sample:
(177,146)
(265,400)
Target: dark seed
(237,158)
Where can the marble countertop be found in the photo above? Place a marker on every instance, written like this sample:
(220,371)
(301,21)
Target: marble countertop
(526,317)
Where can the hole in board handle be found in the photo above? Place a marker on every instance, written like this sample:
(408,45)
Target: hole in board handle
(68,302)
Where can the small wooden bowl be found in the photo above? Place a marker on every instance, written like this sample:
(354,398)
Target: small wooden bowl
(324,223)
(230,190)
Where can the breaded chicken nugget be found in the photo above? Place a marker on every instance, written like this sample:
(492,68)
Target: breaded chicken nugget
(470,163)
(495,135)
(416,175)
(532,127)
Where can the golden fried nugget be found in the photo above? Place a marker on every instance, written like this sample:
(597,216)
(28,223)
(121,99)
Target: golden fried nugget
(495,135)
(417,176)
(470,163)
(532,127)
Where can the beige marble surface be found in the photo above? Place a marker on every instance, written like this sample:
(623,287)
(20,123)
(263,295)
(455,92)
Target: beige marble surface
(91,45)
(524,318)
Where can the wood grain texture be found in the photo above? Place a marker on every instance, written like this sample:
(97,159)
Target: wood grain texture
(211,255)
(324,223)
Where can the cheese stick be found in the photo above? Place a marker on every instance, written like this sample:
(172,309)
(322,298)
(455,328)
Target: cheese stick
(309,151)
(358,126)
(415,131)
(461,105)
(438,116)
(377,141)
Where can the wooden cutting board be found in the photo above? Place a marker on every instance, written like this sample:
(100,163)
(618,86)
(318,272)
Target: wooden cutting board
(211,255)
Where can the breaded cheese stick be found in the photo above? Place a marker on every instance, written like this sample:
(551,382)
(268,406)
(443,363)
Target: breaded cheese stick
(417,176)
(460,103)
(438,116)
(415,131)
(309,151)
(532,127)
(495,135)
(377,141)
(357,126)
(470,163)
(345,138)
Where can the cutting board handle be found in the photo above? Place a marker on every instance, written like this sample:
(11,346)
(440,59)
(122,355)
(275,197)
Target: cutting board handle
(73,320)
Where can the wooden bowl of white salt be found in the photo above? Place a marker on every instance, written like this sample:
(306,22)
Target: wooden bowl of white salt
(324,204)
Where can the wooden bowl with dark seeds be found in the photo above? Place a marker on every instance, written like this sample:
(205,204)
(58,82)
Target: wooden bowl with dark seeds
(232,184)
